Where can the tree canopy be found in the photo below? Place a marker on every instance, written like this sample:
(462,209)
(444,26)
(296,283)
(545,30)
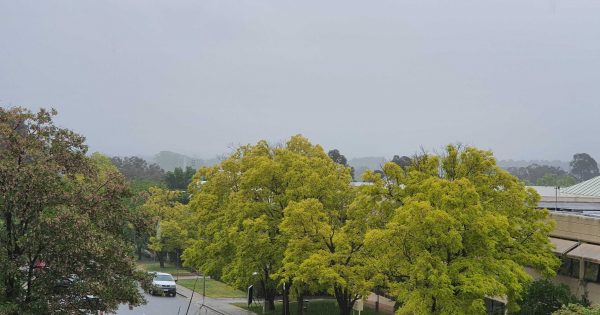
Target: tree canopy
(240,206)
(584,167)
(576,309)
(63,229)
(326,239)
(171,222)
(179,179)
(543,297)
(462,229)
(402,161)
(543,175)
(337,157)
(136,168)
(556,180)
(440,234)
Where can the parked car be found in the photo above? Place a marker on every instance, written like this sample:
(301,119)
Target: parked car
(163,283)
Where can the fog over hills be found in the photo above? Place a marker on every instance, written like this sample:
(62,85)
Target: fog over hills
(169,160)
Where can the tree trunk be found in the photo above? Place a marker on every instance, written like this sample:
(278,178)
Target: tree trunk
(270,299)
(286,298)
(139,251)
(269,289)
(269,294)
(345,309)
(345,301)
(11,288)
(161,259)
(300,304)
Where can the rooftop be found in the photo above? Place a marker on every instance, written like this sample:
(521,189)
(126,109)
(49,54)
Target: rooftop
(590,187)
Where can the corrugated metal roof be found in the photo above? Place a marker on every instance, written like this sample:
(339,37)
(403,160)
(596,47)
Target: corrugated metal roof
(550,191)
(590,187)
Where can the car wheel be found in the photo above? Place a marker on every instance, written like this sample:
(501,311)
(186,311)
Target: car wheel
(174,294)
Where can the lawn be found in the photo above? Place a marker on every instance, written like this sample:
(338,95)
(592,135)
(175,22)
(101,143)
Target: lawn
(214,288)
(314,307)
(169,268)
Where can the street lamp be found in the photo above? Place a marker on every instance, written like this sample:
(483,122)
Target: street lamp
(254,275)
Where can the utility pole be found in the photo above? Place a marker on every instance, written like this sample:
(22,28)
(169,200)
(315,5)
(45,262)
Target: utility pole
(556,189)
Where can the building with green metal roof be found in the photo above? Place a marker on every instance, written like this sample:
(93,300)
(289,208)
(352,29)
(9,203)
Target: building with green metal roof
(590,187)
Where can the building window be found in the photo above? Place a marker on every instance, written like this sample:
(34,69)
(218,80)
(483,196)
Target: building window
(591,273)
(569,267)
(494,307)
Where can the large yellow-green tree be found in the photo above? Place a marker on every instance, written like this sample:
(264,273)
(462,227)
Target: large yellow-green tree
(462,229)
(239,206)
(325,248)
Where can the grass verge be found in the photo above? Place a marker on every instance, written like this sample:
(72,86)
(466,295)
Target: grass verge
(169,268)
(214,288)
(314,307)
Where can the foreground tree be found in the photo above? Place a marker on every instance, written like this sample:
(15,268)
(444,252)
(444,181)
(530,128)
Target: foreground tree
(326,238)
(63,229)
(462,230)
(326,247)
(584,167)
(240,206)
(543,297)
(576,309)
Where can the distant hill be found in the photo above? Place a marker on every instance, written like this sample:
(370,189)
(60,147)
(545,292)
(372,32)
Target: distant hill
(522,163)
(168,161)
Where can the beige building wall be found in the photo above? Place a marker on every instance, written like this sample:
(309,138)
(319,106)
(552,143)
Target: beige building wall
(576,227)
(584,229)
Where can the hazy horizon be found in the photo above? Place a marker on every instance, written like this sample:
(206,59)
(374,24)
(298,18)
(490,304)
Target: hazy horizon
(368,78)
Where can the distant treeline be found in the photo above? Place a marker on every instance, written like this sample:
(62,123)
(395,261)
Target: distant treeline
(138,171)
(181,168)
(581,168)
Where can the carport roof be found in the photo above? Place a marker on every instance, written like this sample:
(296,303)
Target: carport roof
(562,246)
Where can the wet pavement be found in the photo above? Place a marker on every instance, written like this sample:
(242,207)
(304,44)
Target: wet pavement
(161,305)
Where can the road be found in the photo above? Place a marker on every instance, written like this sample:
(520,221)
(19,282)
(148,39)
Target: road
(161,305)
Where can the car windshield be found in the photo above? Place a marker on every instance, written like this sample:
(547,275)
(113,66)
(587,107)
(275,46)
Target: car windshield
(163,278)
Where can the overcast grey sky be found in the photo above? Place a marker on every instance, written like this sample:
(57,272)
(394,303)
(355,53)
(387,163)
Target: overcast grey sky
(371,78)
